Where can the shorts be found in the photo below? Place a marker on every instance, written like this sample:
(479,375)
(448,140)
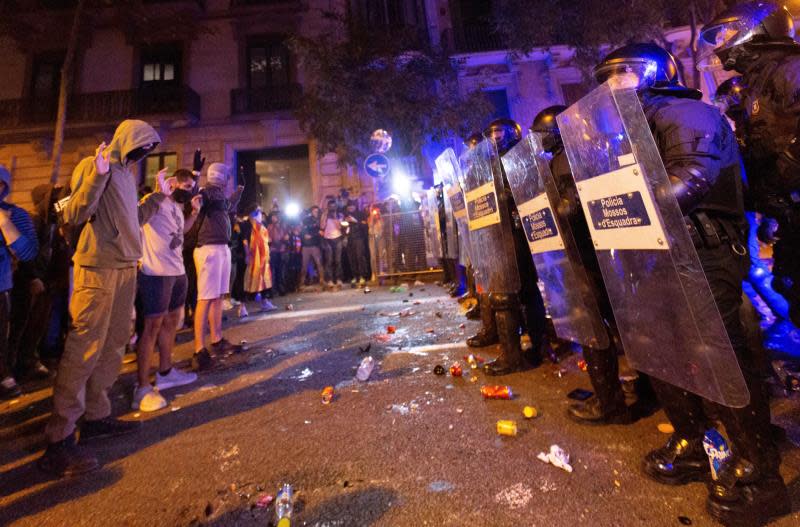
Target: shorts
(160,295)
(213,263)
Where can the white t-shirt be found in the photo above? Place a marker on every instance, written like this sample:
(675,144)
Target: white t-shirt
(333,228)
(163,241)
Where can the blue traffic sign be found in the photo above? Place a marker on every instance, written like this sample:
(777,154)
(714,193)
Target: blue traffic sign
(376,165)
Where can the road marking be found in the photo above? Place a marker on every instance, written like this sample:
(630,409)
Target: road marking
(424,350)
(299,313)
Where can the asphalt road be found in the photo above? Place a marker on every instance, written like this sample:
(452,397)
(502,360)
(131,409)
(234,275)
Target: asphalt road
(406,448)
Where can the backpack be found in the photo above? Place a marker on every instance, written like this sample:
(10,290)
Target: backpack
(72,233)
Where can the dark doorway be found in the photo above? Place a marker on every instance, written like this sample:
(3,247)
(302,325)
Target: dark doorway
(282,173)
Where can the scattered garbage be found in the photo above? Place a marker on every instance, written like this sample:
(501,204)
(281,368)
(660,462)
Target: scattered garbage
(391,330)
(497,392)
(401,409)
(289,307)
(327,395)
(441,486)
(418,283)
(459,410)
(473,360)
(264,501)
(455,370)
(530,412)
(365,369)
(398,289)
(438,369)
(438,314)
(685,520)
(284,506)
(506,427)
(666,428)
(305,374)
(525,342)
(382,338)
(367,290)
(474,378)
(556,457)
(717,450)
(462,326)
(582,365)
(429,330)
(365,349)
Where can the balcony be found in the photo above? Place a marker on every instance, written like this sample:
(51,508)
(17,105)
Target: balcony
(103,107)
(475,38)
(269,99)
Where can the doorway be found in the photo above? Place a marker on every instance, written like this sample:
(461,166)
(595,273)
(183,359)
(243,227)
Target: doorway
(282,174)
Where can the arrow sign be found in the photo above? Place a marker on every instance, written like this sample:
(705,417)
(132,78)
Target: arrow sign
(376,165)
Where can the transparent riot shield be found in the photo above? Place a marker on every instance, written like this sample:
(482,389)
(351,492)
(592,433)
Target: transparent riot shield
(430,212)
(568,293)
(455,206)
(670,325)
(491,240)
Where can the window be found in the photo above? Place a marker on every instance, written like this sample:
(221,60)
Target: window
(161,64)
(389,13)
(155,162)
(499,99)
(267,63)
(46,76)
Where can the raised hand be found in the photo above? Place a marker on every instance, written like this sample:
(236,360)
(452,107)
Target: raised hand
(197,204)
(199,161)
(101,163)
(162,182)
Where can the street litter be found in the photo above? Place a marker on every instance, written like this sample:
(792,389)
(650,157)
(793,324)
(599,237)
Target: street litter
(264,501)
(429,330)
(666,428)
(418,283)
(365,349)
(327,395)
(556,457)
(438,314)
(390,329)
(305,374)
(506,427)
(438,369)
(441,486)
(455,370)
(529,412)
(289,307)
(582,365)
(367,290)
(497,392)
(382,338)
(284,505)
(401,409)
(365,369)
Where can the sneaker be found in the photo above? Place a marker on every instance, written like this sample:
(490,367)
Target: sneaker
(235,303)
(329,284)
(174,378)
(66,458)
(36,371)
(224,346)
(267,306)
(226,304)
(339,283)
(242,311)
(362,282)
(107,427)
(147,399)
(9,388)
(203,360)
(257,297)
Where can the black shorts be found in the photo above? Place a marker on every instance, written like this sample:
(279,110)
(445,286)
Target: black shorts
(161,294)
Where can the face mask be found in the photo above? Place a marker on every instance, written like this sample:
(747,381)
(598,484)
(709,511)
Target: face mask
(181,195)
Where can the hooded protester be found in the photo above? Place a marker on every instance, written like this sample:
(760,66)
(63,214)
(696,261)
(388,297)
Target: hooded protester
(19,241)
(37,285)
(212,259)
(105,200)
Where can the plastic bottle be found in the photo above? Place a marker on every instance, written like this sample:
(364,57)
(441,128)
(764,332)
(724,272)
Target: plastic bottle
(365,369)
(496,392)
(284,505)
(327,395)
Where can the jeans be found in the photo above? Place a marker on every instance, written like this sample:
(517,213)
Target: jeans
(357,258)
(311,254)
(332,250)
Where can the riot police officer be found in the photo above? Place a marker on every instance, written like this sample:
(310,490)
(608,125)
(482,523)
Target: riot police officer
(755,39)
(701,158)
(607,406)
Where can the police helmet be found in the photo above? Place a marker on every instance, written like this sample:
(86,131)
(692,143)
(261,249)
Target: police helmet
(505,133)
(730,93)
(649,65)
(756,23)
(545,124)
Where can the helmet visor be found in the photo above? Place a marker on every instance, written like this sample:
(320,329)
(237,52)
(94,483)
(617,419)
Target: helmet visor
(720,37)
(636,74)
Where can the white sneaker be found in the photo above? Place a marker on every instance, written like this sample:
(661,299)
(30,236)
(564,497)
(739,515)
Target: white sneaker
(234,302)
(266,305)
(174,378)
(242,311)
(226,304)
(147,399)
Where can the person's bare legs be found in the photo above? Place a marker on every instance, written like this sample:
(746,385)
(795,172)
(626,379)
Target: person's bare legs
(201,323)
(215,320)
(166,339)
(146,345)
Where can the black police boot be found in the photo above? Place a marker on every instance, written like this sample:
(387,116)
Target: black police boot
(679,461)
(473,313)
(742,496)
(487,335)
(593,412)
(507,315)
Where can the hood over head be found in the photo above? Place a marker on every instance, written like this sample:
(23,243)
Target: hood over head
(132,134)
(217,174)
(5,177)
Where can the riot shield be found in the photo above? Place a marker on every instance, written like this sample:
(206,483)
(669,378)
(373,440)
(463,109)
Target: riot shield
(568,293)
(491,240)
(669,323)
(455,207)
(433,234)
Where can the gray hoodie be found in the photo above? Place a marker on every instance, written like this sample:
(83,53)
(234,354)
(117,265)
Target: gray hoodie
(111,237)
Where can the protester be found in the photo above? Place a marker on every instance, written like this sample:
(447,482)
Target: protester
(104,201)
(241,233)
(277,250)
(258,276)
(331,226)
(212,259)
(37,285)
(162,286)
(19,241)
(357,234)
(294,257)
(312,239)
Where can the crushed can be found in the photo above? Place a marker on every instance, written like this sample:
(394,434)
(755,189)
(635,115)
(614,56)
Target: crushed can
(506,427)
(496,392)
(327,395)
(717,450)
(455,370)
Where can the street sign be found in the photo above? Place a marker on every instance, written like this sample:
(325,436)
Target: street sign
(376,165)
